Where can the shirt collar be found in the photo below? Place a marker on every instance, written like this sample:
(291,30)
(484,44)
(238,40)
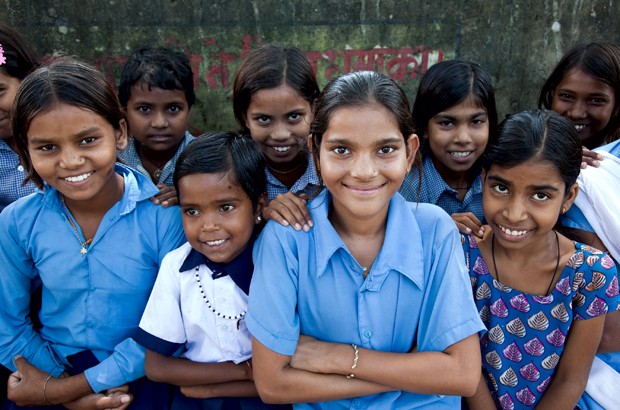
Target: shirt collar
(435,184)
(433,180)
(239,269)
(137,187)
(402,246)
(305,183)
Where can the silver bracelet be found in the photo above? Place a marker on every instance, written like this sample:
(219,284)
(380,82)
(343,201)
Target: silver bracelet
(49,376)
(355,359)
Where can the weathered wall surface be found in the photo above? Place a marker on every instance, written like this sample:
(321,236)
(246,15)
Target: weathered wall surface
(518,41)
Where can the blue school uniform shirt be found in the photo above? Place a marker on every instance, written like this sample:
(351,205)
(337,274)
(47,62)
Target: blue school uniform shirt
(91,302)
(306,184)
(416,293)
(131,157)
(434,190)
(12,176)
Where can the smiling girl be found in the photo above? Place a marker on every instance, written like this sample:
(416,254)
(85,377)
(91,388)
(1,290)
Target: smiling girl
(273,95)
(584,87)
(455,114)
(367,309)
(542,296)
(90,237)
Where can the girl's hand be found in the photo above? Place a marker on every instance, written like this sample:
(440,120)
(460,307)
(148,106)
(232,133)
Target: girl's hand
(314,355)
(289,209)
(113,400)
(203,391)
(468,223)
(25,386)
(590,158)
(167,196)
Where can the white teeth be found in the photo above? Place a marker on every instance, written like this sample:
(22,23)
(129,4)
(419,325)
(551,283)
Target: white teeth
(215,243)
(460,154)
(512,233)
(282,149)
(579,127)
(78,178)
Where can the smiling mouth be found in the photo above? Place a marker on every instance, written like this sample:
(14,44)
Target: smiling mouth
(78,178)
(511,232)
(460,154)
(282,149)
(579,127)
(215,243)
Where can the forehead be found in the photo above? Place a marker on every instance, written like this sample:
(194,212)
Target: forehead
(143,92)
(533,172)
(578,80)
(366,122)
(6,79)
(63,119)
(469,105)
(280,98)
(210,187)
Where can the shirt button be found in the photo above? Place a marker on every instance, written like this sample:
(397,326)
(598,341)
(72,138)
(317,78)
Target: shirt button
(356,403)
(20,168)
(368,333)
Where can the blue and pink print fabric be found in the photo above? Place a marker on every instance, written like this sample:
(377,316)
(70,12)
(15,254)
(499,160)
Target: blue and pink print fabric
(526,333)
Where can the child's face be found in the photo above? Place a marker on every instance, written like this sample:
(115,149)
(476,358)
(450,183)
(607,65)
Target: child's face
(157,118)
(522,204)
(363,160)
(74,150)
(457,137)
(586,101)
(8,89)
(217,215)
(279,120)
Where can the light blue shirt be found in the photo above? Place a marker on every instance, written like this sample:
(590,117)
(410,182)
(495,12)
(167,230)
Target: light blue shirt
(417,292)
(434,190)
(12,176)
(91,302)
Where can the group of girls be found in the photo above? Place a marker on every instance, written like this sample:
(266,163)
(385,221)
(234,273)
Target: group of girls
(364,301)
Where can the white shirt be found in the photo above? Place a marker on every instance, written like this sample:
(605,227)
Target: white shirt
(178,314)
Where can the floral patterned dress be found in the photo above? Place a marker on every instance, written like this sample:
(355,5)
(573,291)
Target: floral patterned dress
(526,333)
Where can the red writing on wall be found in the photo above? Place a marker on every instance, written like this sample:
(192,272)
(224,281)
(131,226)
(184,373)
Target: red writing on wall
(215,67)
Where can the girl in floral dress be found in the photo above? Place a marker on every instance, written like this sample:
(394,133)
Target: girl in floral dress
(542,297)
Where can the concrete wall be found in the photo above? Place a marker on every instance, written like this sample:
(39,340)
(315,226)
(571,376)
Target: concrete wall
(518,41)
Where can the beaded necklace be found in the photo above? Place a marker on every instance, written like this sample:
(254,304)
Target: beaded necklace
(85,244)
(204,296)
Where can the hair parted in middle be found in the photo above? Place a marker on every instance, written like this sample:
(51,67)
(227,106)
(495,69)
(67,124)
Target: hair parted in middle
(65,81)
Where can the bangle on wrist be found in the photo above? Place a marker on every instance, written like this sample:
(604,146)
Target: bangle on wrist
(356,357)
(49,376)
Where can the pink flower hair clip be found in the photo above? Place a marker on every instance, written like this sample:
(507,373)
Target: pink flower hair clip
(2,57)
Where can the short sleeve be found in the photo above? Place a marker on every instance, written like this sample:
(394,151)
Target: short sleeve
(161,327)
(272,316)
(596,283)
(449,313)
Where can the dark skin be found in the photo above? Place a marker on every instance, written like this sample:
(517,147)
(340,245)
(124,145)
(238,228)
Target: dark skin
(153,160)
(202,380)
